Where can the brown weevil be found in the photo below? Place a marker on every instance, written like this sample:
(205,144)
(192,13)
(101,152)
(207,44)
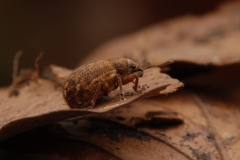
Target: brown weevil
(91,81)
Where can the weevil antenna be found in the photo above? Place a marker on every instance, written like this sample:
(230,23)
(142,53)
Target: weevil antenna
(160,65)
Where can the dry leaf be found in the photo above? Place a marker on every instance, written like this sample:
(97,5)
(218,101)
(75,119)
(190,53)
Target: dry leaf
(143,114)
(44,145)
(42,103)
(210,129)
(211,39)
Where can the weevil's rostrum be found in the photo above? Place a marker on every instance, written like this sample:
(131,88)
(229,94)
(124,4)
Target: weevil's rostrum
(91,81)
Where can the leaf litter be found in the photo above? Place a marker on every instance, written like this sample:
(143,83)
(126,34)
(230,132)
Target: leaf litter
(200,122)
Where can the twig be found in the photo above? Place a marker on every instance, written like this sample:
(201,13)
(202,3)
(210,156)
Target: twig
(36,64)
(15,64)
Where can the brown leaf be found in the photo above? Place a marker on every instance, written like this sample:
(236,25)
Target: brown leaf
(211,39)
(210,129)
(42,103)
(123,141)
(143,114)
(44,145)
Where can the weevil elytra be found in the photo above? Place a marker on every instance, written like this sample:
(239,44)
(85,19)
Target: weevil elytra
(91,81)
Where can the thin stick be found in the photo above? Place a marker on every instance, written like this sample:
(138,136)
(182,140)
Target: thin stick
(36,63)
(15,64)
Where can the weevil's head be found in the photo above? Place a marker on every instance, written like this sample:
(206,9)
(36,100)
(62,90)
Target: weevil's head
(134,68)
(126,67)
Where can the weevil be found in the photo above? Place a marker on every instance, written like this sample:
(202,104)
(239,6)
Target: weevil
(91,81)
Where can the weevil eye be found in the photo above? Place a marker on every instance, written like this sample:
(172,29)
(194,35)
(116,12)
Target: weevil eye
(133,66)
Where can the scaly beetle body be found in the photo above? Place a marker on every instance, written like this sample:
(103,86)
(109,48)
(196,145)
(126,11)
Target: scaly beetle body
(91,81)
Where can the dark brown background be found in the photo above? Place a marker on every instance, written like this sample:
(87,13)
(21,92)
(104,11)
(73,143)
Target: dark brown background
(66,31)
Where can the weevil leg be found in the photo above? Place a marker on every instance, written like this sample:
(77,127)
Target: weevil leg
(89,106)
(119,82)
(131,78)
(105,88)
(102,85)
(136,84)
(95,96)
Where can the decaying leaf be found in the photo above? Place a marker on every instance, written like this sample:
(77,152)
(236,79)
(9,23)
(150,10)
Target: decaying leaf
(211,39)
(210,129)
(96,138)
(143,113)
(42,103)
(44,145)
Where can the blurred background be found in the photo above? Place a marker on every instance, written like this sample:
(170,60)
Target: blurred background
(67,31)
